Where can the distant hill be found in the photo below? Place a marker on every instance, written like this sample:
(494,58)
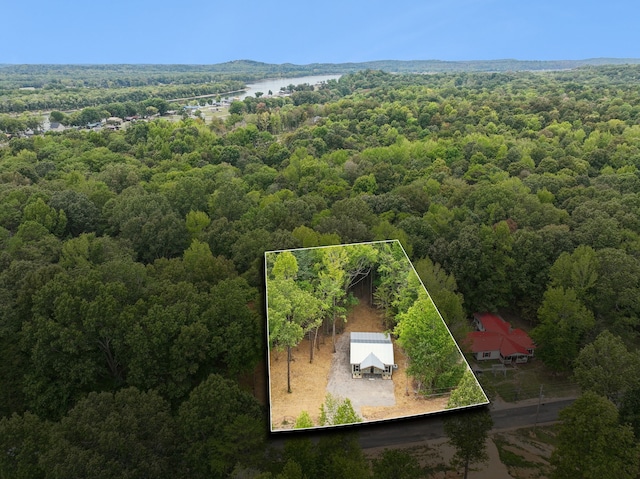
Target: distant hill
(437,66)
(59,77)
(400,66)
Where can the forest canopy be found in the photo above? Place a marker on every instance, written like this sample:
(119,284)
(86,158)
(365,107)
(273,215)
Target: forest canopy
(131,260)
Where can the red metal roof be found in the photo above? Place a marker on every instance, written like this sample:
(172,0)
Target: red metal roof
(493,323)
(498,335)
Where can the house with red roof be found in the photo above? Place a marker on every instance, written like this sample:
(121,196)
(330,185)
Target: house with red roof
(496,339)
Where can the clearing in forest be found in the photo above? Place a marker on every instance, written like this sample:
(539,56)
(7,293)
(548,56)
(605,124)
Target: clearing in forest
(402,360)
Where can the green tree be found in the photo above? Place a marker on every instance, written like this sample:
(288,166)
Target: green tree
(630,410)
(607,368)
(202,268)
(396,464)
(365,184)
(291,470)
(330,287)
(340,456)
(235,326)
(307,237)
(82,214)
(394,274)
(126,434)
(23,440)
(196,222)
(229,200)
(71,335)
(564,321)
(167,343)
(150,111)
(361,260)
(578,271)
(467,393)
(592,444)
(303,452)
(218,438)
(335,411)
(434,359)
(292,311)
(236,108)
(33,242)
(443,289)
(57,116)
(481,260)
(617,290)
(146,220)
(536,252)
(350,218)
(303,421)
(467,433)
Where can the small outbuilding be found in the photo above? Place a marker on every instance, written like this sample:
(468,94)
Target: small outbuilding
(371,354)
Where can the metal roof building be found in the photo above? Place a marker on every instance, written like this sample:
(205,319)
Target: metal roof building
(371,353)
(496,339)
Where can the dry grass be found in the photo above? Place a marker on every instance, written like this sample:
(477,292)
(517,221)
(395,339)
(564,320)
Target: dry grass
(309,380)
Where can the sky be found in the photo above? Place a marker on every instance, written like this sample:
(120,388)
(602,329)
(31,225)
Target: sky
(320,31)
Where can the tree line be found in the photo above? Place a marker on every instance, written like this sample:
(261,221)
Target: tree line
(72,98)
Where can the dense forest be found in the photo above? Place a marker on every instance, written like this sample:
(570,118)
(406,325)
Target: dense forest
(131,271)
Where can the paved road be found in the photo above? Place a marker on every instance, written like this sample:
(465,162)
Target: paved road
(416,430)
(429,428)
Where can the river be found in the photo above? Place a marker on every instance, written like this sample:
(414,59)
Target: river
(264,86)
(275,84)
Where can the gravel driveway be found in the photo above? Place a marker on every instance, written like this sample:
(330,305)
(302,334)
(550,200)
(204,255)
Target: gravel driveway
(361,392)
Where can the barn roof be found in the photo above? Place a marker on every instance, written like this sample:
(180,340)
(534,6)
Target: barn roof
(371,349)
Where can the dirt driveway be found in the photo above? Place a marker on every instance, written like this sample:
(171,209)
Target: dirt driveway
(361,392)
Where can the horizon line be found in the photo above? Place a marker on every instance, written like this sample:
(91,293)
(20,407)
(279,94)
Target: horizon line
(243,60)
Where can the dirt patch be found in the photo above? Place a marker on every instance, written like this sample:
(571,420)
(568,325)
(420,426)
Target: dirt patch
(309,381)
(435,458)
(255,382)
(528,457)
(527,454)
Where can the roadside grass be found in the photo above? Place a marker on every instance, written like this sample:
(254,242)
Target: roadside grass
(429,459)
(511,459)
(209,113)
(542,434)
(526,452)
(524,381)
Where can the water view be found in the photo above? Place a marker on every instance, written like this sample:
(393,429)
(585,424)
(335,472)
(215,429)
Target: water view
(275,84)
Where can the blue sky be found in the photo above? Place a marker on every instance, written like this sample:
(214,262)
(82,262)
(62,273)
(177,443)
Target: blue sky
(332,31)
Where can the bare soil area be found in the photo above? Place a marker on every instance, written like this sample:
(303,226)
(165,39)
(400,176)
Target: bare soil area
(436,457)
(529,456)
(309,381)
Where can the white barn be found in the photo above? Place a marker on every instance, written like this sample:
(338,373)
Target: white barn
(371,353)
